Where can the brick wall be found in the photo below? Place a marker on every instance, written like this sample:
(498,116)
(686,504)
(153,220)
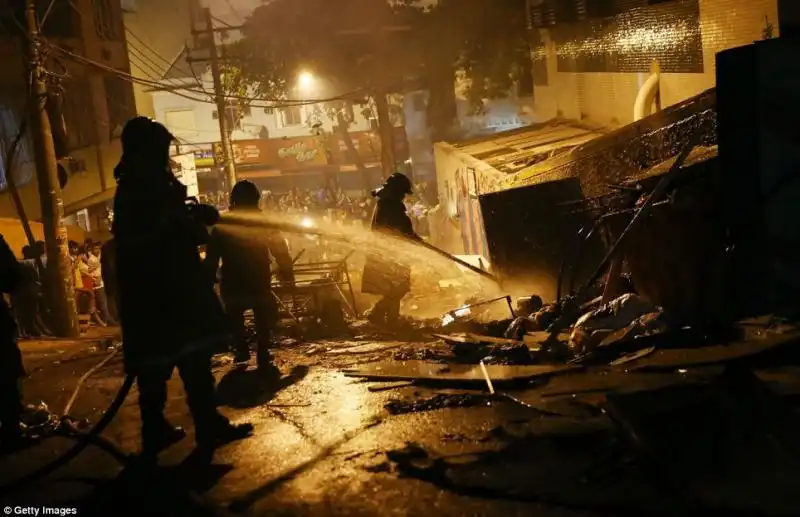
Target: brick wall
(625,45)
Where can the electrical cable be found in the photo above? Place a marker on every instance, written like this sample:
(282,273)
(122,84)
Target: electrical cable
(143,62)
(254,101)
(84,439)
(169,64)
(234,11)
(46,14)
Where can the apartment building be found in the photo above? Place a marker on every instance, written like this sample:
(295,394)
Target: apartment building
(88,59)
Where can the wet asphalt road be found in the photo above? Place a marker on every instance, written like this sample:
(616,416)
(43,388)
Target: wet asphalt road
(319,448)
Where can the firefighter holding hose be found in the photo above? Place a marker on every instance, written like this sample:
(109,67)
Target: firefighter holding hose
(246,274)
(383,277)
(169,312)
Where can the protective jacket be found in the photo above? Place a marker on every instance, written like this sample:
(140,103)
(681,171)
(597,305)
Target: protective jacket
(381,275)
(246,253)
(166,303)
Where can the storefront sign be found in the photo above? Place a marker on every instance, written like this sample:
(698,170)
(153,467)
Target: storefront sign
(299,152)
(203,158)
(185,170)
(290,154)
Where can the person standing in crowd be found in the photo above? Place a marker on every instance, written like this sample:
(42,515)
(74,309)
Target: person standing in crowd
(170,314)
(95,269)
(85,287)
(25,298)
(11,368)
(43,312)
(390,280)
(246,278)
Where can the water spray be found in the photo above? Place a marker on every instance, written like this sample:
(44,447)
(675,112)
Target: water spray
(308,226)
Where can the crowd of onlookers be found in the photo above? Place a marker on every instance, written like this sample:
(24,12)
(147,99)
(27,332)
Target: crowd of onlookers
(90,292)
(335,204)
(29,302)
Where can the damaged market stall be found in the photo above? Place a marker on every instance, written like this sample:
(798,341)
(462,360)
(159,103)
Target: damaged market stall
(466,169)
(537,223)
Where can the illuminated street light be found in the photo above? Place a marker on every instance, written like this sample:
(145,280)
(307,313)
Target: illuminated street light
(306,81)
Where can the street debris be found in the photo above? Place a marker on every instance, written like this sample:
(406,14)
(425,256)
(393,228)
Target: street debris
(593,327)
(438,401)
(390,386)
(467,373)
(366,348)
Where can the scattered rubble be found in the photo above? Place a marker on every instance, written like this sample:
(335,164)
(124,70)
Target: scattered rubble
(438,401)
(593,327)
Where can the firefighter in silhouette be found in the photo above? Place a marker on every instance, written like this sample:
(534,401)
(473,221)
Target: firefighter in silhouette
(11,369)
(169,312)
(245,280)
(388,279)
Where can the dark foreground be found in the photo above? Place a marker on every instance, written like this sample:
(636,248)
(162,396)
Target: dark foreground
(325,444)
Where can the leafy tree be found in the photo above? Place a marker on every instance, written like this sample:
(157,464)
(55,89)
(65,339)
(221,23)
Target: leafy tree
(367,48)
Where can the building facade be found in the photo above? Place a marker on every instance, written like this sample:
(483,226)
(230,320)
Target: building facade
(156,32)
(278,147)
(91,61)
(592,59)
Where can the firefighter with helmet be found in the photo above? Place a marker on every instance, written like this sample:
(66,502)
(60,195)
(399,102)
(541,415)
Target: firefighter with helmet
(246,277)
(382,277)
(169,312)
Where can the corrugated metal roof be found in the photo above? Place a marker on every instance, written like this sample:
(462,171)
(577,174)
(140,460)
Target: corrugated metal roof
(511,151)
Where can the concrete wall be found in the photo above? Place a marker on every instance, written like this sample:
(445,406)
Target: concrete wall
(156,32)
(608,97)
(14,234)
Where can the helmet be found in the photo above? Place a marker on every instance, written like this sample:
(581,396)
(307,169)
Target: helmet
(399,183)
(245,194)
(142,134)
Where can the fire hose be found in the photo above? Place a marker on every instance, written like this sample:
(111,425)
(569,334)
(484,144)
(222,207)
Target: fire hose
(67,428)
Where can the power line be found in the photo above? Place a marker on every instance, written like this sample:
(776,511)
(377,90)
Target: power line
(255,102)
(234,11)
(169,64)
(47,13)
(144,62)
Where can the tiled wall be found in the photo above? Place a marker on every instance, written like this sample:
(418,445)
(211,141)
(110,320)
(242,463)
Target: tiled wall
(624,44)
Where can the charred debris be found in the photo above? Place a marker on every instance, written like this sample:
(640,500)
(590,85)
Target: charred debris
(666,245)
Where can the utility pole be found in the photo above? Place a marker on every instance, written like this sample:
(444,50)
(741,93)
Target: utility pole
(219,97)
(59,270)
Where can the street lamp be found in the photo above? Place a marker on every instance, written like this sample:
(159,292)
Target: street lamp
(306,81)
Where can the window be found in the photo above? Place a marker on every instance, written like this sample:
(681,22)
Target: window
(78,114)
(106,22)
(119,102)
(292,116)
(181,122)
(82,219)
